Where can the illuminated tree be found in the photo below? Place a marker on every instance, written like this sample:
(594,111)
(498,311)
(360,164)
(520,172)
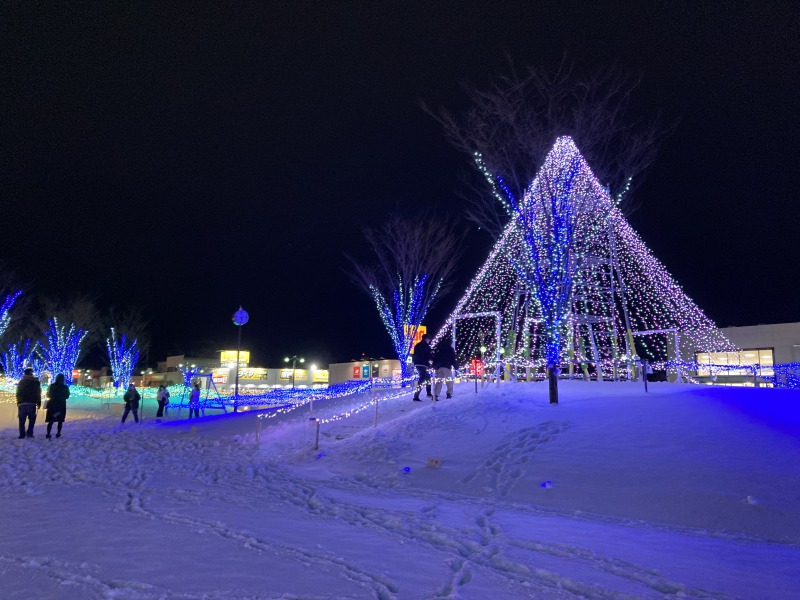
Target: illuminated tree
(123,356)
(61,349)
(574,284)
(407,272)
(18,358)
(5,311)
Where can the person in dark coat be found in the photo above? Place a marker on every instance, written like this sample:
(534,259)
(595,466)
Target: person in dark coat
(422,360)
(57,395)
(29,400)
(131,403)
(162,396)
(443,364)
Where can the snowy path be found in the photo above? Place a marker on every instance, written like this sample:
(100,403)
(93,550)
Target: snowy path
(197,510)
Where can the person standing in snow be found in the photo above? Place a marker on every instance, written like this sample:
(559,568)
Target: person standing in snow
(422,360)
(162,395)
(29,400)
(443,364)
(57,395)
(194,401)
(131,403)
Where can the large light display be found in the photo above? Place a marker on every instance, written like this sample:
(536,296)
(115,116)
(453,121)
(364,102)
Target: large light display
(575,284)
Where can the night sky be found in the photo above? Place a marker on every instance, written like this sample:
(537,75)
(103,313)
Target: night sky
(190,157)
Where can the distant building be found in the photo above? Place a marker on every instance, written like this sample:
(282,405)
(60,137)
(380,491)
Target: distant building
(223,373)
(364,368)
(763,345)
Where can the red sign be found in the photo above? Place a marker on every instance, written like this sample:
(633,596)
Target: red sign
(476,367)
(76,374)
(357,372)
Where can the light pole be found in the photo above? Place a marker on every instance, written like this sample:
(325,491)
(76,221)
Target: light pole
(295,359)
(240,317)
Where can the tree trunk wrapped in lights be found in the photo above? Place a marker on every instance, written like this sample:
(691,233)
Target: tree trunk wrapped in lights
(411,262)
(61,349)
(123,357)
(17,359)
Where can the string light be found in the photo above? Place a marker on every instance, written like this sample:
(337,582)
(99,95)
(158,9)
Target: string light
(123,357)
(574,282)
(5,310)
(62,349)
(15,361)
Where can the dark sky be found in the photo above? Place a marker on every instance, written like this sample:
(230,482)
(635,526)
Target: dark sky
(187,158)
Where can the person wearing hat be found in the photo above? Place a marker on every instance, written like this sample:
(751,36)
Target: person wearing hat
(57,395)
(29,400)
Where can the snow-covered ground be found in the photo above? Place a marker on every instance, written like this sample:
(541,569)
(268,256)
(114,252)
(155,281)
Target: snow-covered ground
(688,492)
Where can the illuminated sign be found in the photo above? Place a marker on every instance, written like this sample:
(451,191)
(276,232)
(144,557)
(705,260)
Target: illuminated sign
(76,373)
(321,376)
(250,373)
(220,375)
(229,356)
(356,372)
(365,372)
(421,331)
(285,374)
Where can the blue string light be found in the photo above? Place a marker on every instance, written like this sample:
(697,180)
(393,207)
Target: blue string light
(62,349)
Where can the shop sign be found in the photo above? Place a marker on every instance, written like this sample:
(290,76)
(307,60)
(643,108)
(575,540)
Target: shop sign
(356,372)
(321,376)
(421,331)
(220,375)
(229,356)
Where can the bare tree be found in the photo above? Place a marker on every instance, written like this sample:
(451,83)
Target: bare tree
(131,322)
(513,124)
(410,266)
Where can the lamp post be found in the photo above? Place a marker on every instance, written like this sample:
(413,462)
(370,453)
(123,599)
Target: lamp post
(240,317)
(295,359)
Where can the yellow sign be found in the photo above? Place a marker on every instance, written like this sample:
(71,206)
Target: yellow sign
(321,376)
(286,374)
(229,356)
(421,331)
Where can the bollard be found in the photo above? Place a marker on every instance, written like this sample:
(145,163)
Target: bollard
(644,374)
(316,437)
(258,429)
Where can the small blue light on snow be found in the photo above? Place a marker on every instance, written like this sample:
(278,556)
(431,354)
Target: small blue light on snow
(320,455)
(407,469)
(546,484)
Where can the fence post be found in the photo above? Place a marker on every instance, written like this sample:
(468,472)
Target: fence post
(258,429)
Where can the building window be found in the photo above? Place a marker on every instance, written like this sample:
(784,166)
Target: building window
(750,356)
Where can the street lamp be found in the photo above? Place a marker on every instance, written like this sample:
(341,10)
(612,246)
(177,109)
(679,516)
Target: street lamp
(295,359)
(240,317)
